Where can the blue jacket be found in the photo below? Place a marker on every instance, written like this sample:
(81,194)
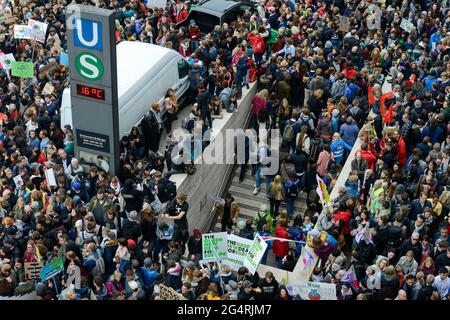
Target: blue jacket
(352,188)
(435,134)
(428,82)
(435,38)
(148,276)
(350,92)
(349,133)
(337,148)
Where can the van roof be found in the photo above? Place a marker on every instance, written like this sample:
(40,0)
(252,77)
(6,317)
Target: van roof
(216,7)
(132,57)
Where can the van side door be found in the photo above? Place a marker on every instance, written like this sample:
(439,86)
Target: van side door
(183,78)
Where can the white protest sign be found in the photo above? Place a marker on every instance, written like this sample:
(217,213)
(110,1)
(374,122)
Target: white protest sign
(374,18)
(40,29)
(313,290)
(255,254)
(237,251)
(156,3)
(6,61)
(219,241)
(406,25)
(18,181)
(48,88)
(344,23)
(25,32)
(50,177)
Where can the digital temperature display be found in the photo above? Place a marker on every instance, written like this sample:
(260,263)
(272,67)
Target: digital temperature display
(90,92)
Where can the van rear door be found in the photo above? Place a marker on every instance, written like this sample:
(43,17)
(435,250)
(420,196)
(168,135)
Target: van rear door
(183,78)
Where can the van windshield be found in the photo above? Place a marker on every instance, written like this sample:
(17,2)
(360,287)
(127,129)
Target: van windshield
(205,21)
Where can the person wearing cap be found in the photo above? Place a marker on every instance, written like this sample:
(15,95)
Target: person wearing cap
(194,35)
(247,292)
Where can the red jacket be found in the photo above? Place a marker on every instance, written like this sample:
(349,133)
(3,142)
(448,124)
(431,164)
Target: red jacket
(281,248)
(194,33)
(257,42)
(344,216)
(181,15)
(401,151)
(370,157)
(258,104)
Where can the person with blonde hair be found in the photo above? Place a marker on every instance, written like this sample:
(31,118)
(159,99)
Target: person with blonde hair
(276,195)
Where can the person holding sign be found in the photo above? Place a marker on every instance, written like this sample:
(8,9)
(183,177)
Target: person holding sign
(228,212)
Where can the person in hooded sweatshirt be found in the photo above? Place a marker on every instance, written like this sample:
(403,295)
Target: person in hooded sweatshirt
(269,286)
(339,86)
(133,197)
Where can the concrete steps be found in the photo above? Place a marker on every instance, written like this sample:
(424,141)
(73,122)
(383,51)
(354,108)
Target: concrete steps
(249,203)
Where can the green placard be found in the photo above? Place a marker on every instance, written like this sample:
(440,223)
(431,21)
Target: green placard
(22,69)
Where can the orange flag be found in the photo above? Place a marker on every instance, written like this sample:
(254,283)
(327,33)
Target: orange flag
(383,98)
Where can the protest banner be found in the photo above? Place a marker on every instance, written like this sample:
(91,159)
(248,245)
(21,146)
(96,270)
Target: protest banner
(40,29)
(32,270)
(255,254)
(312,290)
(374,18)
(50,177)
(168,293)
(74,276)
(22,69)
(25,32)
(305,265)
(64,59)
(52,269)
(48,89)
(237,251)
(18,181)
(406,25)
(219,241)
(6,61)
(344,24)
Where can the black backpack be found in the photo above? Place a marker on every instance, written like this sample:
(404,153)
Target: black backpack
(315,149)
(292,190)
(167,190)
(261,222)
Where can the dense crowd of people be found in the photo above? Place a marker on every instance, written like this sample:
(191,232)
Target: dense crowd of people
(321,83)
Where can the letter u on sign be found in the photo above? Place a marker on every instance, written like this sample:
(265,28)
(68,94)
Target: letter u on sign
(88,34)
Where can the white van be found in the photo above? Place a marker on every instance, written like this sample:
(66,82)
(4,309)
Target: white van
(144,73)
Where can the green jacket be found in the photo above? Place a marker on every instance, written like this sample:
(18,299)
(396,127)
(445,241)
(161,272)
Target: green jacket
(273,36)
(266,215)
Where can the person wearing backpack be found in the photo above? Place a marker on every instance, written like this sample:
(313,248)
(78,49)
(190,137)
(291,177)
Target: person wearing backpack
(292,189)
(303,141)
(228,212)
(167,190)
(262,218)
(189,122)
(290,130)
(94,263)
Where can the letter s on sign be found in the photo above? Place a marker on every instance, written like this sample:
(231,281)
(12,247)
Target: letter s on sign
(89,66)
